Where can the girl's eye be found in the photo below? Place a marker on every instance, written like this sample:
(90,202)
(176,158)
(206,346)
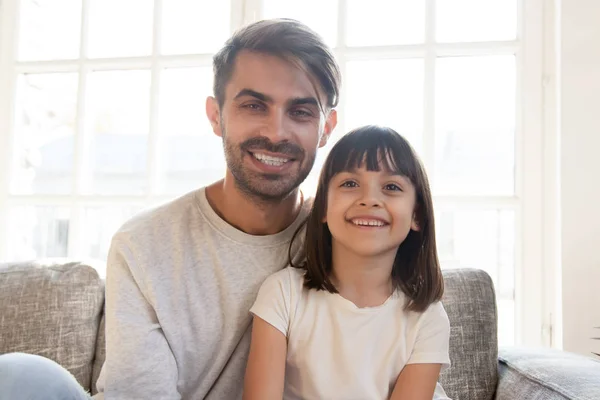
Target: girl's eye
(393,186)
(349,184)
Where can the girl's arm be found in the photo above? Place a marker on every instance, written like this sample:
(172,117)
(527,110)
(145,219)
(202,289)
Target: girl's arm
(265,372)
(416,382)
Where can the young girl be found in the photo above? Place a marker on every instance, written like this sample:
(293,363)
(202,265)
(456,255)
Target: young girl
(360,317)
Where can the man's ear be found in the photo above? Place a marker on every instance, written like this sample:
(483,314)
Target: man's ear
(214,115)
(330,124)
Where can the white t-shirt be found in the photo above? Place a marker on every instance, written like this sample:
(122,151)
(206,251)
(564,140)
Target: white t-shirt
(339,351)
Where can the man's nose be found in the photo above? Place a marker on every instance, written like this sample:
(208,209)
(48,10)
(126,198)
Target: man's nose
(275,127)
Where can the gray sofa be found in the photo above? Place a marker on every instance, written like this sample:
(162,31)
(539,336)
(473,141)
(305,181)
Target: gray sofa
(55,309)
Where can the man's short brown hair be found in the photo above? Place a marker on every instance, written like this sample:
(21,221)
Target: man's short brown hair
(284,38)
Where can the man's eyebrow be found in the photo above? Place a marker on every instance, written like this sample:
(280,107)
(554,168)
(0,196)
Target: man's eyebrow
(298,101)
(255,94)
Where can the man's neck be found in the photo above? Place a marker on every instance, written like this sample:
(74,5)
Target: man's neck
(250,215)
(366,281)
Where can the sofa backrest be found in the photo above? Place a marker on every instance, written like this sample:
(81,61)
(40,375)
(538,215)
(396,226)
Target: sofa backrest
(470,301)
(56,310)
(52,309)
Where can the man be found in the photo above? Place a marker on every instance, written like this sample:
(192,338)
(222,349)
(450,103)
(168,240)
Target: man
(181,278)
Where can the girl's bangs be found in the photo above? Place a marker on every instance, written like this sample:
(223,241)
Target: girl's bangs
(373,148)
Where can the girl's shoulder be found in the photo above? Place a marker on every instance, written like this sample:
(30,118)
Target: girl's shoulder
(434,315)
(290,278)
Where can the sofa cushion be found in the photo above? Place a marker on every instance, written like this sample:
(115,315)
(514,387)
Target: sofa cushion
(547,374)
(52,309)
(470,302)
(99,357)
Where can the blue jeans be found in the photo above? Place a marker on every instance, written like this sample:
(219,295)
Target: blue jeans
(30,377)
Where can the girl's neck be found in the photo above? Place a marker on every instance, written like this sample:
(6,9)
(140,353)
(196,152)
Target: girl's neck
(364,280)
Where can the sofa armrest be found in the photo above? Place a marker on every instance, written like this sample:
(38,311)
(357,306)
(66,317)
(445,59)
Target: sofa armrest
(547,374)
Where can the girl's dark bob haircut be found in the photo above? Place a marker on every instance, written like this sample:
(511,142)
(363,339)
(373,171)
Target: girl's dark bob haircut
(416,270)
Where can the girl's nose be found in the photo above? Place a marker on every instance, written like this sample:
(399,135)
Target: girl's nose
(370,198)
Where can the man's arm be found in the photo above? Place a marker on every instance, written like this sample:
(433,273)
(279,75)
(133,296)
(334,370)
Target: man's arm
(265,372)
(416,382)
(139,362)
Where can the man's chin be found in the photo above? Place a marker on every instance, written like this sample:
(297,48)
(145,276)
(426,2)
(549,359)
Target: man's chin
(270,191)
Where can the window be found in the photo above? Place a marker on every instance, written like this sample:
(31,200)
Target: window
(100,120)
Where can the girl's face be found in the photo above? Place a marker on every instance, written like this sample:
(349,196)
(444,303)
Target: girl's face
(370,213)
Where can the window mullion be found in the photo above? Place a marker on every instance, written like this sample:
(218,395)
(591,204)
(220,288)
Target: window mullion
(529,161)
(81,156)
(253,11)
(154,164)
(428,144)
(340,53)
(8,40)
(236,19)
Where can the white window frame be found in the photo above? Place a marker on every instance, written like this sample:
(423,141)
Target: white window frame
(534,155)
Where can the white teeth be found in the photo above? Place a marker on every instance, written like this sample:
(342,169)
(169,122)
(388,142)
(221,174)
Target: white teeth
(367,222)
(269,160)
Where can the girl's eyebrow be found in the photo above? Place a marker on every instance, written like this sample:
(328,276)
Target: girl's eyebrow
(385,171)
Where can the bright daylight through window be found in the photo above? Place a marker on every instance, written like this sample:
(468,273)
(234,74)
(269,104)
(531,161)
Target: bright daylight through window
(107,114)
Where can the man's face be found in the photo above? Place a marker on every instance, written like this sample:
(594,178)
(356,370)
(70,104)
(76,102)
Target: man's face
(271,125)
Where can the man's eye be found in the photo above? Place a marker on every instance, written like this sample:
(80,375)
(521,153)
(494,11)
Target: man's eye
(349,184)
(253,106)
(301,113)
(393,186)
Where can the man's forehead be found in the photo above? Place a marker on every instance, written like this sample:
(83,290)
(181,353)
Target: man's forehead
(272,76)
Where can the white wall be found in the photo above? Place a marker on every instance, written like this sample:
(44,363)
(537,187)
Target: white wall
(579,130)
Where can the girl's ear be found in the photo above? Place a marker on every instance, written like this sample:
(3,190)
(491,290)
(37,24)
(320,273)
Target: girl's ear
(414,224)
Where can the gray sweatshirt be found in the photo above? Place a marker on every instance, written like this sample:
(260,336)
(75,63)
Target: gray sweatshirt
(180,283)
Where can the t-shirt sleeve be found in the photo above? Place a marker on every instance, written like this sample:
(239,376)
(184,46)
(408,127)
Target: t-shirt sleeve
(432,344)
(272,303)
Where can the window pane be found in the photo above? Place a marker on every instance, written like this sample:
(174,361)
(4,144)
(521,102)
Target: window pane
(385,22)
(120,28)
(194,26)
(476,20)
(321,16)
(475,126)
(482,239)
(44,135)
(309,186)
(117,116)
(38,232)
(100,224)
(386,92)
(49,29)
(506,322)
(193,155)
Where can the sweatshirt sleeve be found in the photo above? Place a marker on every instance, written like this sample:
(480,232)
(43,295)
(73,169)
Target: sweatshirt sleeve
(139,362)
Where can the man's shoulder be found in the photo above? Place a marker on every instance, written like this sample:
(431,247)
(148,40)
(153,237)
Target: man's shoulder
(161,216)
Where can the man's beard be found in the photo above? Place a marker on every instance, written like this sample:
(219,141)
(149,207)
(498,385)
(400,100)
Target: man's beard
(263,186)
